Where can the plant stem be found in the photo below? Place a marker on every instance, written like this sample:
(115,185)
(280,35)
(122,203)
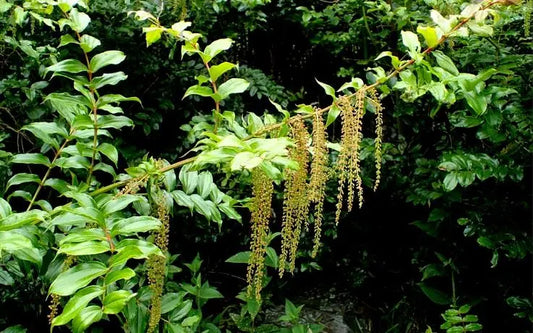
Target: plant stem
(47,174)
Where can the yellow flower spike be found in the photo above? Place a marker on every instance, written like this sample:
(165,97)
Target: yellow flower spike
(261,206)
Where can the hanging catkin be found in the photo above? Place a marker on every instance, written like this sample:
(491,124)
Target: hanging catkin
(261,209)
(319,176)
(296,200)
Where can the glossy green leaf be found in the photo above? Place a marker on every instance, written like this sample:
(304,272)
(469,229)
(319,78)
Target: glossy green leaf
(217,70)
(152,34)
(450,181)
(86,317)
(108,79)
(329,90)
(68,282)
(5,209)
(200,206)
(189,180)
(115,122)
(77,303)
(105,59)
(84,248)
(68,66)
(445,62)
(115,301)
(229,211)
(205,181)
(216,47)
(31,158)
(5,278)
(11,241)
(83,235)
(182,199)
(232,86)
(477,102)
(118,204)
(121,274)
(89,43)
(410,40)
(333,113)
(430,35)
(199,90)
(22,178)
(17,220)
(78,20)
(134,225)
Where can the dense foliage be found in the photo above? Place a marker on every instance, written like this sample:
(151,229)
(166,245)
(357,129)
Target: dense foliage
(145,146)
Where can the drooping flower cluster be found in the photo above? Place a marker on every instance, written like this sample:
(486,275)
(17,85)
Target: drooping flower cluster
(319,176)
(296,200)
(261,206)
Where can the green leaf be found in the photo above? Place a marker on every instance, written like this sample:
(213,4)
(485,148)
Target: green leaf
(208,292)
(445,62)
(245,159)
(327,89)
(84,248)
(110,151)
(435,295)
(216,71)
(31,158)
(134,225)
(78,20)
(473,327)
(19,15)
(118,204)
(4,6)
(11,241)
(133,249)
(83,235)
(430,35)
(153,34)
(199,90)
(89,43)
(68,282)
(450,181)
(240,258)
(230,211)
(77,303)
(486,242)
(108,79)
(68,66)
(205,181)
(21,178)
(182,199)
(121,274)
(189,180)
(116,300)
(5,278)
(17,220)
(333,113)
(410,40)
(67,39)
(105,59)
(5,209)
(232,86)
(215,48)
(115,122)
(200,205)
(86,317)
(477,102)
(115,98)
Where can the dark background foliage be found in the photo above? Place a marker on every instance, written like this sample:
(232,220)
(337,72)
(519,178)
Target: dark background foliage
(377,258)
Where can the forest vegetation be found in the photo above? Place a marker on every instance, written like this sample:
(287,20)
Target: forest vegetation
(266,166)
